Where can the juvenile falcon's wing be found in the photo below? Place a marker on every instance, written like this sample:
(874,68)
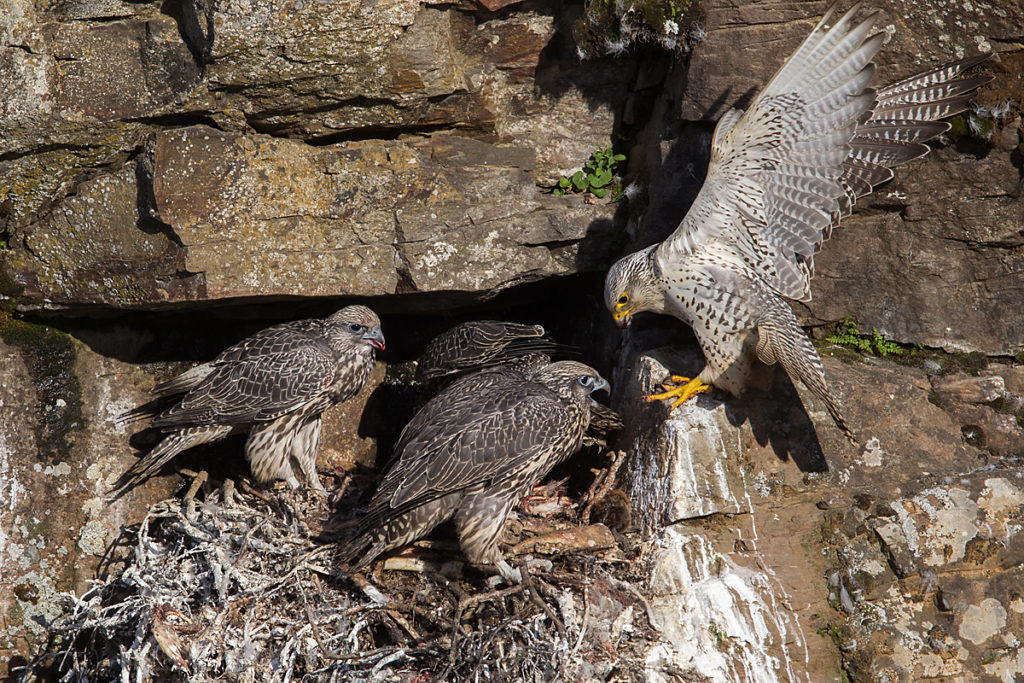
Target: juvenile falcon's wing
(257,388)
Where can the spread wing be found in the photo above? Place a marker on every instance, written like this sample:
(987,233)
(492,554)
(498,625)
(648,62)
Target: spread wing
(264,383)
(903,117)
(774,180)
(814,140)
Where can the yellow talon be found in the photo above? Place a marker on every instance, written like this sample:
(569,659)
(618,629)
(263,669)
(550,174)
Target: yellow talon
(687,389)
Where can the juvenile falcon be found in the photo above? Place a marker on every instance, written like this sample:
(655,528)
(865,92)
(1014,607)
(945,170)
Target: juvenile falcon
(472,452)
(478,344)
(273,385)
(781,176)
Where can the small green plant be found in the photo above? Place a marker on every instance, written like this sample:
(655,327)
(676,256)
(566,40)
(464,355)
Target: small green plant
(848,335)
(595,177)
(833,633)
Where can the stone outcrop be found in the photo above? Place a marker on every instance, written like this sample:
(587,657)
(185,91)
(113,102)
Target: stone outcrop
(60,445)
(769,542)
(244,216)
(111,197)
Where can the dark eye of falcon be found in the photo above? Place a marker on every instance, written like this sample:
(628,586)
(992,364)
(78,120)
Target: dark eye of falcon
(623,299)
(586,380)
(356,327)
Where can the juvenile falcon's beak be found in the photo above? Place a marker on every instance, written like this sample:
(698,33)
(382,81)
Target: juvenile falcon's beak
(602,384)
(374,338)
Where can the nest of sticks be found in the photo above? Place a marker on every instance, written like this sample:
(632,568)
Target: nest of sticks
(241,585)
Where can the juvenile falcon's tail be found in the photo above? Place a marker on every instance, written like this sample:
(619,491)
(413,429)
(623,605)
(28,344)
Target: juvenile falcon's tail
(780,339)
(172,444)
(384,528)
(165,393)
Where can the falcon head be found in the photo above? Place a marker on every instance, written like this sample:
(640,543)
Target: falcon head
(360,324)
(571,380)
(630,287)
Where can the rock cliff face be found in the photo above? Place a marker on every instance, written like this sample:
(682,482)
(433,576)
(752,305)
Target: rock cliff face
(174,176)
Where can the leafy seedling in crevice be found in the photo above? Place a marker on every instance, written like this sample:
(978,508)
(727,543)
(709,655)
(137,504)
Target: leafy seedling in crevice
(596,176)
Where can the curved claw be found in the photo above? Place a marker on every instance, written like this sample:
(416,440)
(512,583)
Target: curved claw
(687,388)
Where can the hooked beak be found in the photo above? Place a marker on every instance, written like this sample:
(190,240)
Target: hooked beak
(602,384)
(623,318)
(374,338)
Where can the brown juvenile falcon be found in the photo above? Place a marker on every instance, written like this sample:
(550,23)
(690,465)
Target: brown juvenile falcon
(478,344)
(273,385)
(781,177)
(481,344)
(472,452)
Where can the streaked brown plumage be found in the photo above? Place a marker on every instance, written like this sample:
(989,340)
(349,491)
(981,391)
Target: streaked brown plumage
(273,385)
(603,421)
(781,176)
(479,344)
(472,452)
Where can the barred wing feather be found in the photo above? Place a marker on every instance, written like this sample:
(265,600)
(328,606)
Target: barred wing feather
(817,137)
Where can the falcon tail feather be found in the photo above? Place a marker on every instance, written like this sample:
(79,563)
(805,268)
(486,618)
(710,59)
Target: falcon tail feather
(170,446)
(781,340)
(184,382)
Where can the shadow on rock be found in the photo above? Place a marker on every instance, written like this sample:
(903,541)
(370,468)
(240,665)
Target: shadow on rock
(777,418)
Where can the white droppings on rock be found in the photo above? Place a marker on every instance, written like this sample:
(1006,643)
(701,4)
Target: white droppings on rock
(61,469)
(937,524)
(93,538)
(722,619)
(1000,495)
(872,566)
(1009,669)
(873,453)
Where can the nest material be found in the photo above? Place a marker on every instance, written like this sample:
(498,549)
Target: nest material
(234,588)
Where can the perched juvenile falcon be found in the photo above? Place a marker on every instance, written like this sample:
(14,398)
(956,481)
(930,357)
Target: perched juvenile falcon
(472,452)
(273,385)
(478,344)
(781,176)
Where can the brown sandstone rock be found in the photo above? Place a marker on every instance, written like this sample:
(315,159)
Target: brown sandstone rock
(116,190)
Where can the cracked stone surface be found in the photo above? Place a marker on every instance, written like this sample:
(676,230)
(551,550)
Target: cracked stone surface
(242,216)
(249,207)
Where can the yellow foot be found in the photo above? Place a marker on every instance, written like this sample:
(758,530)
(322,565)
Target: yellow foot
(682,389)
